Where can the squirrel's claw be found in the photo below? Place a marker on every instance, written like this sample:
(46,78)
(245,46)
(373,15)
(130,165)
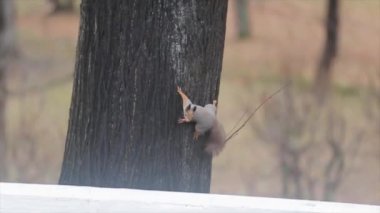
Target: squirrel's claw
(179,90)
(182,120)
(196,136)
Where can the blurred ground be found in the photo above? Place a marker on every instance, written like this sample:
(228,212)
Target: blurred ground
(287,40)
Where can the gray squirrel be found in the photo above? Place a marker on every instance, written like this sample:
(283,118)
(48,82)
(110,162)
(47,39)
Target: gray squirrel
(205,121)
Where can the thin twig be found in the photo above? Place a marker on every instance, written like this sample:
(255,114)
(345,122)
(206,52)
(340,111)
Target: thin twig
(237,123)
(254,112)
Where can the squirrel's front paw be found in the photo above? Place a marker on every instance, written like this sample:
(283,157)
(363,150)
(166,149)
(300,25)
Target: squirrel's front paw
(179,89)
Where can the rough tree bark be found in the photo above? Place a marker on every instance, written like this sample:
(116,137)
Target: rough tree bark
(123,129)
(323,75)
(6,47)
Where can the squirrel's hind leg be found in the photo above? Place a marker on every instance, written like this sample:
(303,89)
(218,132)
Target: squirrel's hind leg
(196,135)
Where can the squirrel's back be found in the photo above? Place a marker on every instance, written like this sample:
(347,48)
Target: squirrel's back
(204,119)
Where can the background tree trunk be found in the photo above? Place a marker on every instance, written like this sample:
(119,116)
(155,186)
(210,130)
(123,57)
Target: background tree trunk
(322,80)
(62,5)
(123,129)
(6,48)
(242,12)
(3,144)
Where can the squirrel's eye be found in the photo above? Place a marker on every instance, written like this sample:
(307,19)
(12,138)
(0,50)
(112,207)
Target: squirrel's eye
(195,108)
(188,107)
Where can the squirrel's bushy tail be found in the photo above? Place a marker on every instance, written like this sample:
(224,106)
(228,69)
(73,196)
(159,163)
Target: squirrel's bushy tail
(216,141)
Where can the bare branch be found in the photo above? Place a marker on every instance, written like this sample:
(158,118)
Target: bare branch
(234,133)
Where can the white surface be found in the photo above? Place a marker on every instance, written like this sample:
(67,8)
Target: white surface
(34,198)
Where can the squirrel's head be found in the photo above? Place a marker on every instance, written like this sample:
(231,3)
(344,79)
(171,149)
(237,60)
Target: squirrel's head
(189,111)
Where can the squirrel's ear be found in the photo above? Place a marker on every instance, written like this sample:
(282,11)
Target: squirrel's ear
(188,107)
(195,108)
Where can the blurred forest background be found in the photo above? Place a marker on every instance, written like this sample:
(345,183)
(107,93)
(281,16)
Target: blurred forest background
(296,146)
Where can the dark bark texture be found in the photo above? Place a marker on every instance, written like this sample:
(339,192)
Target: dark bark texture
(131,54)
(6,45)
(322,81)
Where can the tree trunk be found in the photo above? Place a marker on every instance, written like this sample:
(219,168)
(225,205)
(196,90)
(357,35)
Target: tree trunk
(62,5)
(3,144)
(123,129)
(322,80)
(6,48)
(242,12)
